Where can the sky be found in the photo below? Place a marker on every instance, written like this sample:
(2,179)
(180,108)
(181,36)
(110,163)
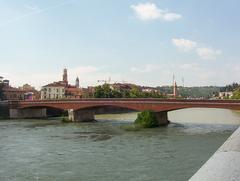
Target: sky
(134,41)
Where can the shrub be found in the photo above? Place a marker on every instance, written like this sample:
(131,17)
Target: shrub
(147,119)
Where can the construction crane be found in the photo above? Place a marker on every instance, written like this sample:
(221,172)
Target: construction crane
(108,81)
(105,81)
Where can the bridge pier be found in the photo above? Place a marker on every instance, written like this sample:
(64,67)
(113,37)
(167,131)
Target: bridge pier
(81,115)
(28,113)
(162,118)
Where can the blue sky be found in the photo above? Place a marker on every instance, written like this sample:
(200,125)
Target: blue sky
(141,42)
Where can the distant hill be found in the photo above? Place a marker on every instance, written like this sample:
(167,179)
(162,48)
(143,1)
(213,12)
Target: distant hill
(192,92)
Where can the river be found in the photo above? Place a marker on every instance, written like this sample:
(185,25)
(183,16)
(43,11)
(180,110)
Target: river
(48,150)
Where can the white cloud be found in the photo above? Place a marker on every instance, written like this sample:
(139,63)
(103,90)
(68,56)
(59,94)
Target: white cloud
(184,44)
(202,51)
(208,53)
(149,11)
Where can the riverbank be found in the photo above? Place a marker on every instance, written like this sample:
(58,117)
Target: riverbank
(224,165)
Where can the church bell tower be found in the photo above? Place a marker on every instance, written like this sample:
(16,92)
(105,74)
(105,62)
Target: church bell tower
(65,76)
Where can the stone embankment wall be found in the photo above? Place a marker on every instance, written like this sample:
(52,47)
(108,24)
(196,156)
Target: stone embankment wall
(224,165)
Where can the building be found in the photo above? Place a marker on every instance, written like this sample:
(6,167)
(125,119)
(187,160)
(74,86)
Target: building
(12,93)
(61,89)
(1,79)
(77,83)
(65,76)
(121,87)
(224,95)
(175,92)
(54,90)
(30,92)
(174,88)
(21,93)
(149,89)
(72,92)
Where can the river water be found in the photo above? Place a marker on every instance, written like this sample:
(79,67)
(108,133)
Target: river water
(48,150)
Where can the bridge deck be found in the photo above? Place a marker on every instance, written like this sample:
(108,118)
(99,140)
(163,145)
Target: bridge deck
(138,104)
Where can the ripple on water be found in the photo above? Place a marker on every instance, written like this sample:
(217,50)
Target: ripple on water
(31,150)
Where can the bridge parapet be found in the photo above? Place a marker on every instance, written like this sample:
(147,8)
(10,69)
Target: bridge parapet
(156,105)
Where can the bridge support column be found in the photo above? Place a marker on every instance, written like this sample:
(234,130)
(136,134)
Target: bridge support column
(81,115)
(27,113)
(162,118)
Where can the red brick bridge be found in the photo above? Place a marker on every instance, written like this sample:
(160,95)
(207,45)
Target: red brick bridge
(84,109)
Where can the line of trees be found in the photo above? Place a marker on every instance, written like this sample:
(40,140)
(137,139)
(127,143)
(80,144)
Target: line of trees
(231,87)
(105,91)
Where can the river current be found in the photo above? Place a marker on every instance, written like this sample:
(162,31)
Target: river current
(49,150)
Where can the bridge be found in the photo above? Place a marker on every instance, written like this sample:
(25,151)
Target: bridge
(83,110)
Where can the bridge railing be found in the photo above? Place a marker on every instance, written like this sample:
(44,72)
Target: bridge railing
(133,99)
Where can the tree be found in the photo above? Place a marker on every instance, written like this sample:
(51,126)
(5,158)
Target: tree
(98,93)
(232,87)
(147,119)
(105,91)
(236,94)
(135,93)
(116,94)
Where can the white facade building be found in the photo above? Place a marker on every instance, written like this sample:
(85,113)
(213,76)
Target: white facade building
(223,95)
(53,91)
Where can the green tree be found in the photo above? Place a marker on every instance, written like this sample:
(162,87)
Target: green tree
(107,91)
(116,94)
(147,119)
(135,93)
(98,93)
(236,94)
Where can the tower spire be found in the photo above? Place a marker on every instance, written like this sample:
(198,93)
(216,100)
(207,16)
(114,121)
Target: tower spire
(174,87)
(77,82)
